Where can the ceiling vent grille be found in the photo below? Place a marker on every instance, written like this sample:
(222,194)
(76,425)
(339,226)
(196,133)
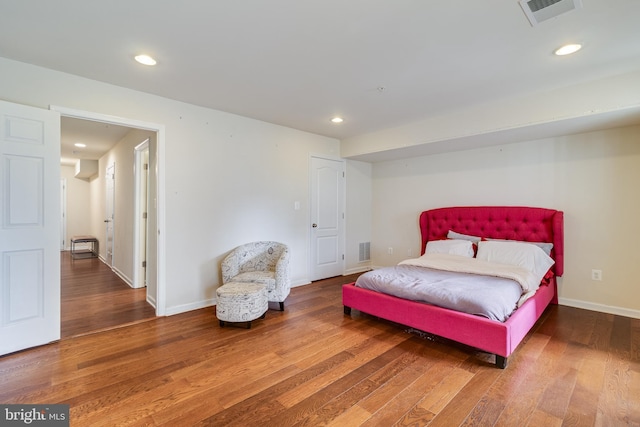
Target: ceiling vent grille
(540,10)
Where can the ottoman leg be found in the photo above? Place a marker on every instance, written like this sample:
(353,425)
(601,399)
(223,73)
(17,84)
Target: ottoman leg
(248,324)
(222,323)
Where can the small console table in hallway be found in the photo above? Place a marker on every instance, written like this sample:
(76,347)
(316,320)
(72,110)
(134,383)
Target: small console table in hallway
(88,247)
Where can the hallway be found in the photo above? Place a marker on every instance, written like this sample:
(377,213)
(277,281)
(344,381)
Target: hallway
(94,298)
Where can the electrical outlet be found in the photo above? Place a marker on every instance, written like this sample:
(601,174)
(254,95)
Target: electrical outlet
(596,275)
(390,251)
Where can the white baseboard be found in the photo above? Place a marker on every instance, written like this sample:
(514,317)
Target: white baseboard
(301,282)
(304,282)
(123,276)
(151,301)
(170,311)
(619,311)
(357,270)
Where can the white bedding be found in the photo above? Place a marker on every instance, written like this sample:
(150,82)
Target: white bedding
(527,280)
(464,284)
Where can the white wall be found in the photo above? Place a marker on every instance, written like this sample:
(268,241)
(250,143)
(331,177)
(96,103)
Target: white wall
(78,205)
(592,177)
(228,179)
(358,216)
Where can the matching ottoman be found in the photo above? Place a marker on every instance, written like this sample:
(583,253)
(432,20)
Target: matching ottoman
(241,302)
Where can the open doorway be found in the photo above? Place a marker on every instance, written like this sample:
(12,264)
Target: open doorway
(128,251)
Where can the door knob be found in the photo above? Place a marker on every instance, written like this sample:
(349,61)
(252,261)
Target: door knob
(314,225)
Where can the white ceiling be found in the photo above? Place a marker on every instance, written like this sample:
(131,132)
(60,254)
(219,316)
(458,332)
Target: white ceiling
(298,63)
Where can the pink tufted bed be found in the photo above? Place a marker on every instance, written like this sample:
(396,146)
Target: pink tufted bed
(527,224)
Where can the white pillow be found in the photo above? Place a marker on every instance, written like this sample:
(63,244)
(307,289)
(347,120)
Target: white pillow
(520,254)
(450,246)
(453,235)
(546,247)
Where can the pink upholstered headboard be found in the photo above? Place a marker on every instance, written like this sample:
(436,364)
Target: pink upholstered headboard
(498,222)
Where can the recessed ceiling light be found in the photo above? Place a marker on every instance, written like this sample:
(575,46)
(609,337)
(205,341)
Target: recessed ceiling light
(337,120)
(145,59)
(79,144)
(568,49)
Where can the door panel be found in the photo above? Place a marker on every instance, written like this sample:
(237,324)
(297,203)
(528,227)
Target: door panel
(29,227)
(327,218)
(24,197)
(109,214)
(141,214)
(23,286)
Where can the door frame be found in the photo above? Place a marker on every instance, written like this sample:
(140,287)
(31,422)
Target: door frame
(110,208)
(159,129)
(63,214)
(141,207)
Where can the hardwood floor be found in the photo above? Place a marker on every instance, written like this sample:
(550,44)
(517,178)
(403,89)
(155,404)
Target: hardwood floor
(93,298)
(311,365)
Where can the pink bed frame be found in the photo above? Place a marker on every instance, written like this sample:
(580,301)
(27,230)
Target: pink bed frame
(498,222)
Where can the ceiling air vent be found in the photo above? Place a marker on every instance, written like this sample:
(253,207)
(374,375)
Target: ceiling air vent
(541,10)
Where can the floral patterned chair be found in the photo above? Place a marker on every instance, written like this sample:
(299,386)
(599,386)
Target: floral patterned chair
(260,262)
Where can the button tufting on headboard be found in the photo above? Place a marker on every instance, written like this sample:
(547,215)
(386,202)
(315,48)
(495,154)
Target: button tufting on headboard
(499,222)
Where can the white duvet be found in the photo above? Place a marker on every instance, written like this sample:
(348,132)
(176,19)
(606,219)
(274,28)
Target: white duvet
(527,280)
(464,284)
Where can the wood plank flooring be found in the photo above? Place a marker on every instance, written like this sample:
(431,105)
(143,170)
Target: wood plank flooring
(311,365)
(93,298)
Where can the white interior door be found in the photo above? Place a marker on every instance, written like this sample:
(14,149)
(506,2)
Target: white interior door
(110,178)
(327,218)
(29,227)
(141,214)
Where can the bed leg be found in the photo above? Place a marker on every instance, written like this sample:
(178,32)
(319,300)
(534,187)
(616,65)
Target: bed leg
(501,361)
(347,310)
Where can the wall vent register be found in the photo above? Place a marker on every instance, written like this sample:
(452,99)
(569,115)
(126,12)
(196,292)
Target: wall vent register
(365,252)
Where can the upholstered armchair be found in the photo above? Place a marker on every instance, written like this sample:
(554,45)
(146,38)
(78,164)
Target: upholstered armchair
(260,262)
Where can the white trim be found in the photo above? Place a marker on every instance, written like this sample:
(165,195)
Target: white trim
(189,307)
(602,308)
(161,288)
(328,157)
(64,245)
(123,276)
(297,283)
(137,243)
(110,210)
(357,270)
(106,118)
(151,301)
